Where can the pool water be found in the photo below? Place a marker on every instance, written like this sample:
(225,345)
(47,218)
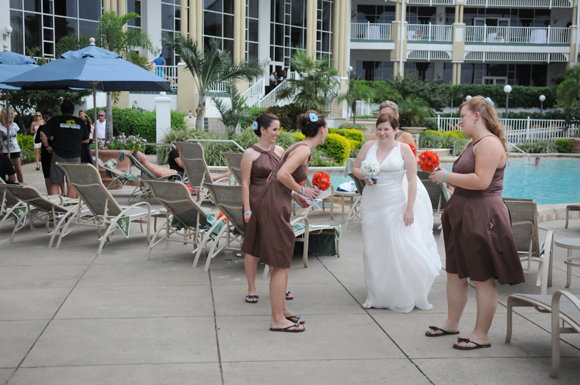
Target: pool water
(554,181)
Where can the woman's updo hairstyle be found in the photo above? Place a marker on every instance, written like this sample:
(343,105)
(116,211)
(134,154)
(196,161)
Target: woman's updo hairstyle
(263,121)
(310,123)
(488,115)
(391,118)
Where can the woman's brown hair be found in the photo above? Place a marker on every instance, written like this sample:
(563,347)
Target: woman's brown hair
(391,118)
(488,114)
(88,117)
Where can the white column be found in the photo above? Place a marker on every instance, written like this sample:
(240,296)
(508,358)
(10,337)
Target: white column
(163,118)
(151,23)
(4,22)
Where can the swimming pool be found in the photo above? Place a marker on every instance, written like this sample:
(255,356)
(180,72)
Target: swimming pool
(554,181)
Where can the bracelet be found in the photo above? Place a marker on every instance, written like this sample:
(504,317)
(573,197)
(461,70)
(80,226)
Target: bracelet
(247,212)
(303,190)
(445,177)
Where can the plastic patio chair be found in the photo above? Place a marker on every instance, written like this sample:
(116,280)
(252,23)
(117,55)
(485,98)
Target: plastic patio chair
(229,200)
(234,161)
(524,217)
(7,204)
(105,212)
(119,178)
(37,207)
(184,217)
(568,209)
(355,207)
(563,306)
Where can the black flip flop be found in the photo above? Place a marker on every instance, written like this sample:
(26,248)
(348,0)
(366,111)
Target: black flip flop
(252,296)
(468,341)
(297,318)
(444,332)
(288,330)
(291,298)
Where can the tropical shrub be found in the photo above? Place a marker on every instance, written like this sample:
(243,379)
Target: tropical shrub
(252,114)
(320,159)
(25,141)
(123,142)
(430,139)
(534,148)
(520,97)
(348,133)
(357,126)
(298,135)
(565,146)
(27,156)
(449,137)
(337,147)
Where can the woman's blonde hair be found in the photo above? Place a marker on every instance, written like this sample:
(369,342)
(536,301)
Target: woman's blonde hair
(3,116)
(488,115)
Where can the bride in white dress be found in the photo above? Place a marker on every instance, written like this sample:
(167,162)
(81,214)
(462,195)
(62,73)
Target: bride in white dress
(400,254)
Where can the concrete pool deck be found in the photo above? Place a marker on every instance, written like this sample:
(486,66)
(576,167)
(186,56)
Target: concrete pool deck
(67,317)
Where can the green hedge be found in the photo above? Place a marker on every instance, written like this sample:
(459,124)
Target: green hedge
(356,126)
(565,146)
(25,141)
(337,147)
(520,96)
(435,139)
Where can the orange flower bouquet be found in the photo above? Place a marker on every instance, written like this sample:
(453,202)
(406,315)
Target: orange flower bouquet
(321,181)
(428,161)
(413,149)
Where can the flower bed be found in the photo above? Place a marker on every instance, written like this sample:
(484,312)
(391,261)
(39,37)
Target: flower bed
(123,142)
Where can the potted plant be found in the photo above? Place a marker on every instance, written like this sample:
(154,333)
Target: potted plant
(413,113)
(109,149)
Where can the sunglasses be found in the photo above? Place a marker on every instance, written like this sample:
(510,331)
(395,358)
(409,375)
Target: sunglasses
(38,116)
(101,115)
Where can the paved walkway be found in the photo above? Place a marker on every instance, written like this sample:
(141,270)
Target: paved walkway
(67,317)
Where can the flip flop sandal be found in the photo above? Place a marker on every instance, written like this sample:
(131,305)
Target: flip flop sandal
(443,332)
(288,329)
(289,295)
(467,340)
(252,298)
(297,318)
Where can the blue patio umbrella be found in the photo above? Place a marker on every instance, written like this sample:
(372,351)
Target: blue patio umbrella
(12,64)
(91,68)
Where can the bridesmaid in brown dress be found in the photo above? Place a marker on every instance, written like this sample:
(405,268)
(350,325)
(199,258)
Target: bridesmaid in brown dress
(479,242)
(257,164)
(273,240)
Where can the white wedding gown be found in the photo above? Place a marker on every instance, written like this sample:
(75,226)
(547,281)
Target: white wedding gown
(400,262)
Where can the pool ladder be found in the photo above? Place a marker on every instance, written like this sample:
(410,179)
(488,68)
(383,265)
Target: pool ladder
(520,150)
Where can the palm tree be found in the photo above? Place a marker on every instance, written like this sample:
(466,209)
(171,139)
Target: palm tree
(234,114)
(357,90)
(209,67)
(112,37)
(568,92)
(413,111)
(316,84)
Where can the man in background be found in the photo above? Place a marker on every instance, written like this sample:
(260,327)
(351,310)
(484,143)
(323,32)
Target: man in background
(101,125)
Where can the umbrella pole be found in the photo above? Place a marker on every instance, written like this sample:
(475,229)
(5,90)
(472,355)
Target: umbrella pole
(96,136)
(8,125)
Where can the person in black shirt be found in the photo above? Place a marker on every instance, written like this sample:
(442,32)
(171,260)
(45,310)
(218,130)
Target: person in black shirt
(45,156)
(68,133)
(174,160)
(7,172)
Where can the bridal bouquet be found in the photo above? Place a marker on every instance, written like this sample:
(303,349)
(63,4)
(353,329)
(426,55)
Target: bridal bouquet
(413,149)
(370,169)
(428,161)
(321,181)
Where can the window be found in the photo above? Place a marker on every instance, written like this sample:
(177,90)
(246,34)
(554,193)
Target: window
(324,29)
(374,14)
(218,23)
(252,29)
(170,25)
(287,29)
(373,70)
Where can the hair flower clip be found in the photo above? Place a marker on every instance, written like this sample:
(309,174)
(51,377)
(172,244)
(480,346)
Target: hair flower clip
(491,101)
(255,126)
(313,117)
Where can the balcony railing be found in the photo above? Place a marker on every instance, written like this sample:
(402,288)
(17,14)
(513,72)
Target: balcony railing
(168,73)
(516,35)
(369,32)
(519,3)
(420,33)
(432,2)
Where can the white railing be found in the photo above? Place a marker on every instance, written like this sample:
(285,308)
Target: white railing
(272,98)
(46,59)
(168,73)
(370,31)
(518,35)
(254,93)
(219,87)
(429,32)
(520,3)
(520,130)
(364,109)
(432,2)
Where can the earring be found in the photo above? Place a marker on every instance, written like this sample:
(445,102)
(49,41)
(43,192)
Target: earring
(475,124)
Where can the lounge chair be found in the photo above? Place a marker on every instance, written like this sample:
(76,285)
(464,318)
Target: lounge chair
(142,191)
(119,178)
(7,204)
(234,161)
(564,311)
(568,209)
(229,200)
(35,206)
(196,170)
(105,213)
(184,217)
(355,207)
(524,217)
(435,191)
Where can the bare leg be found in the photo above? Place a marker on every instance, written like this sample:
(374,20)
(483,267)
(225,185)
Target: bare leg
(70,192)
(251,265)
(278,298)
(54,188)
(18,168)
(37,156)
(48,184)
(486,296)
(457,294)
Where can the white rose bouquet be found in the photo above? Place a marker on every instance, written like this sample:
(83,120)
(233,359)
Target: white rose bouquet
(370,169)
